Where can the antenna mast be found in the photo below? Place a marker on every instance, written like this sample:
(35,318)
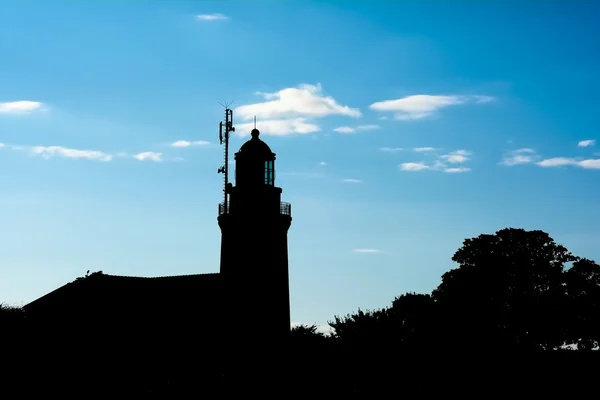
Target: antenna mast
(224,138)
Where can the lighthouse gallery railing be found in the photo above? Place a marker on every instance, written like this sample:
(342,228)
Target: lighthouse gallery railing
(284,208)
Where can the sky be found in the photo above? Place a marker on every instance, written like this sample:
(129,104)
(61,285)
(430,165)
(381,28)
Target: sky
(400,128)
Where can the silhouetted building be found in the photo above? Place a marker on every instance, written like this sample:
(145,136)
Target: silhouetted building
(195,311)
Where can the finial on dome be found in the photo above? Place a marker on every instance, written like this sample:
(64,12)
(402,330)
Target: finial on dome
(255,132)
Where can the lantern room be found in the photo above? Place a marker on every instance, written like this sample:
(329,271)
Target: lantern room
(254,164)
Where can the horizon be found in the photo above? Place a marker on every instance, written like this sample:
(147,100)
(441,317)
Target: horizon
(400,130)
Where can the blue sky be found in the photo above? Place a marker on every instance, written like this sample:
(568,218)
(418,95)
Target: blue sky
(401,128)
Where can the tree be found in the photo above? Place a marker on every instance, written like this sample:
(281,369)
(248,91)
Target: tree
(508,291)
(583,290)
(412,318)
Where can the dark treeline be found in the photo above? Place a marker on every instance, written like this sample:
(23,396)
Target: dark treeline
(514,292)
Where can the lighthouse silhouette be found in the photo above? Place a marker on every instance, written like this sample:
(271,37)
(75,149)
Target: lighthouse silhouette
(254,225)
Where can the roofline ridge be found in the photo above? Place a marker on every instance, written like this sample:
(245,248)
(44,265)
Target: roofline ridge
(164,276)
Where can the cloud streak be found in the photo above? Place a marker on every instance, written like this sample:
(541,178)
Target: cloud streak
(278,127)
(422,106)
(185,143)
(530,156)
(212,17)
(367,251)
(20,107)
(49,152)
(441,163)
(148,156)
(359,128)
(519,156)
(586,143)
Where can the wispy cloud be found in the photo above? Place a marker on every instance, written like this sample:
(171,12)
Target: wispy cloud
(367,251)
(322,163)
(390,149)
(212,17)
(440,163)
(456,157)
(148,156)
(413,166)
(586,143)
(424,149)
(457,170)
(290,110)
(422,106)
(278,127)
(563,161)
(20,107)
(185,143)
(519,156)
(359,128)
(530,156)
(350,180)
(49,152)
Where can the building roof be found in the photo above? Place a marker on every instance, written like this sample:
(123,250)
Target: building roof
(101,290)
(256,148)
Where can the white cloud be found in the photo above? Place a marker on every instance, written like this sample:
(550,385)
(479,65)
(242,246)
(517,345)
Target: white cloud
(439,164)
(563,161)
(457,157)
(556,162)
(457,170)
(366,251)
(2,145)
(370,127)
(422,106)
(16,107)
(589,164)
(349,129)
(527,156)
(48,152)
(278,127)
(586,143)
(344,129)
(349,180)
(322,163)
(185,143)
(414,166)
(149,155)
(519,156)
(288,111)
(178,159)
(483,99)
(391,149)
(212,17)
(302,101)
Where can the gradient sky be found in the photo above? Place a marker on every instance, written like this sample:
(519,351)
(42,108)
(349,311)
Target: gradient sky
(401,128)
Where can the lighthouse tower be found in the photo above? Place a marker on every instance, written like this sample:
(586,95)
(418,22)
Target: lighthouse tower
(254,257)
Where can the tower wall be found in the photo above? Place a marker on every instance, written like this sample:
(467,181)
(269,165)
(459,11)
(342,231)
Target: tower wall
(254,268)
